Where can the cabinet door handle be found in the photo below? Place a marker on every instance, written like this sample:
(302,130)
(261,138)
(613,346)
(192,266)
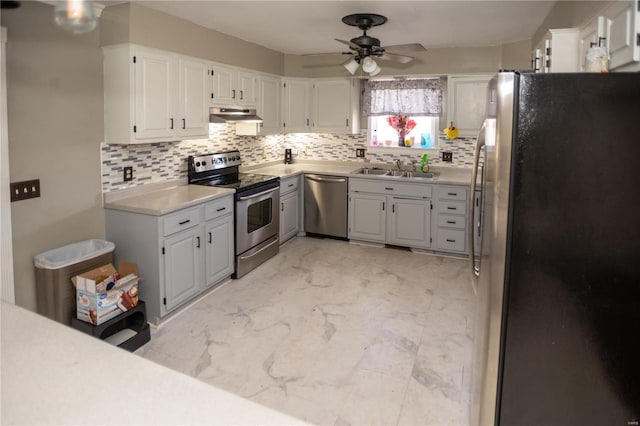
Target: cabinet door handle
(281,207)
(393,208)
(233,93)
(453,222)
(388,189)
(452,193)
(184,123)
(307,121)
(452,208)
(290,185)
(450,241)
(241,94)
(221,209)
(383,206)
(184,222)
(171,123)
(209,237)
(198,243)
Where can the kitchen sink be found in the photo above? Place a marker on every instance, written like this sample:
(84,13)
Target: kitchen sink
(395,173)
(374,171)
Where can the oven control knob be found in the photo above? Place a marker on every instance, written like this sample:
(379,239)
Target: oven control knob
(197,164)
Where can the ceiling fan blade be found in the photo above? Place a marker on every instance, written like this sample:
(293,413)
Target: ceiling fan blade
(410,47)
(351,44)
(403,59)
(327,54)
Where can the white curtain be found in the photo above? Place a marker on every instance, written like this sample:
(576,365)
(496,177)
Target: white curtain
(413,97)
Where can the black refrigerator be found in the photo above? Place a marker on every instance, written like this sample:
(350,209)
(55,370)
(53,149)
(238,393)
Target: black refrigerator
(557,280)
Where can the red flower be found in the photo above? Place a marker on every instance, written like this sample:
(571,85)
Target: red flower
(401,124)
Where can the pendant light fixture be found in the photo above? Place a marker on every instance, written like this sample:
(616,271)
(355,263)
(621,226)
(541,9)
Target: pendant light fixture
(77,16)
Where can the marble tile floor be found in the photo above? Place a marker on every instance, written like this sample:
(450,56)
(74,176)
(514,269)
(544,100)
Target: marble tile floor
(335,333)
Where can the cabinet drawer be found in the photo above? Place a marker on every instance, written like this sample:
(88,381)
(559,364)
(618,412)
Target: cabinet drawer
(451,221)
(218,208)
(452,207)
(180,221)
(289,185)
(451,193)
(389,187)
(450,239)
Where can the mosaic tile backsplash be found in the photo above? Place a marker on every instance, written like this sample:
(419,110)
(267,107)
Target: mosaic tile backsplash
(158,162)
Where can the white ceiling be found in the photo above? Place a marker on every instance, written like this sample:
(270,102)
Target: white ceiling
(299,27)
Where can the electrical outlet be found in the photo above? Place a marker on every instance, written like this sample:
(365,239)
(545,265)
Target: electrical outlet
(447,157)
(360,152)
(25,190)
(128,174)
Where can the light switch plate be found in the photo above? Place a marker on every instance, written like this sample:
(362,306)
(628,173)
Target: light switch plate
(360,152)
(25,190)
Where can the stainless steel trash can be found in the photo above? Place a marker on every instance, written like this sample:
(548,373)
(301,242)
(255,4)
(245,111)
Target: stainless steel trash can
(55,293)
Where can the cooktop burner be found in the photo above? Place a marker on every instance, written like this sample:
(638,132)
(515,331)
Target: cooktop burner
(221,169)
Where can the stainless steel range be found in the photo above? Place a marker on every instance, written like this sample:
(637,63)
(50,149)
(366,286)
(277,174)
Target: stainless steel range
(257,220)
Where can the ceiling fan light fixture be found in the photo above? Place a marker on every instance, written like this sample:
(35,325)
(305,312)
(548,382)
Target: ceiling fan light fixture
(375,71)
(77,16)
(369,65)
(351,65)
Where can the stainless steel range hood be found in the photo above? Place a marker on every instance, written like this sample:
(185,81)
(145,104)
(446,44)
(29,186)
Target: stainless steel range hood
(233,115)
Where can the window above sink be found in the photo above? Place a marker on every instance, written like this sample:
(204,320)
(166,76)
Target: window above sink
(424,136)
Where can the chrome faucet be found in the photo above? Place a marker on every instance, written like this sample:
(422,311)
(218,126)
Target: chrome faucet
(399,165)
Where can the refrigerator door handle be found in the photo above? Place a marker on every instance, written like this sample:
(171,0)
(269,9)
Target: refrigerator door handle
(471,207)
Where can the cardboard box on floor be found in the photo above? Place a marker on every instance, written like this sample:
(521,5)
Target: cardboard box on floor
(96,306)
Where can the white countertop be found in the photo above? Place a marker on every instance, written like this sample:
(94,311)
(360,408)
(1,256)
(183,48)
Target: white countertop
(168,200)
(160,199)
(446,175)
(53,374)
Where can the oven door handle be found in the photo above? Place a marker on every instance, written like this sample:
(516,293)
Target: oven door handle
(248,197)
(261,250)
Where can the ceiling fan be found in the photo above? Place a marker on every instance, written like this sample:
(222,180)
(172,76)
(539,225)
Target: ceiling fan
(364,47)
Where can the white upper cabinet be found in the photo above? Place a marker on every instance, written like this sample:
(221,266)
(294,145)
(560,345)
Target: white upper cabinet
(269,104)
(233,87)
(268,108)
(296,105)
(622,28)
(467,102)
(152,96)
(335,106)
(193,117)
(558,51)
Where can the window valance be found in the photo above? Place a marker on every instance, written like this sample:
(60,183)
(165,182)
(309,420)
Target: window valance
(416,97)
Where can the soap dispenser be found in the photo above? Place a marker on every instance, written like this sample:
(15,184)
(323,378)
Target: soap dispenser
(424,166)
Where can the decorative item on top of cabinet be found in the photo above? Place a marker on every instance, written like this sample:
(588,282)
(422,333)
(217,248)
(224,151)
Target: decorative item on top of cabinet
(232,86)
(622,29)
(153,96)
(289,208)
(466,103)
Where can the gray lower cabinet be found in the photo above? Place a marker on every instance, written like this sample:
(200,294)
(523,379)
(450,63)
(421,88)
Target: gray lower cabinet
(397,213)
(289,208)
(179,255)
(451,222)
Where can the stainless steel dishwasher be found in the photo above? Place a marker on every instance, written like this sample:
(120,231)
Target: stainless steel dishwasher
(325,205)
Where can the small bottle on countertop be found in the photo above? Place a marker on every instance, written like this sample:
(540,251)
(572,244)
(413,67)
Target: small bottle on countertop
(424,166)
